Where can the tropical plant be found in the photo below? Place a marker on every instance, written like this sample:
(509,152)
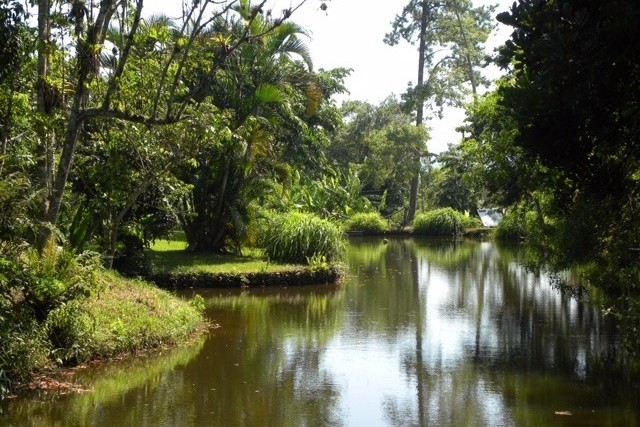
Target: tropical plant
(16,225)
(299,237)
(439,222)
(333,195)
(369,221)
(159,63)
(260,88)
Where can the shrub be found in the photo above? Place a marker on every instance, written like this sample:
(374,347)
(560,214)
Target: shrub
(297,237)
(16,226)
(511,228)
(54,276)
(23,345)
(371,222)
(130,258)
(439,222)
(471,222)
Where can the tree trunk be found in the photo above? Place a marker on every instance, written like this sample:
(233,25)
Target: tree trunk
(415,181)
(44,151)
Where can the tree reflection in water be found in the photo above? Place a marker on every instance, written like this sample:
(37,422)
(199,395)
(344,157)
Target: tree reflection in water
(420,332)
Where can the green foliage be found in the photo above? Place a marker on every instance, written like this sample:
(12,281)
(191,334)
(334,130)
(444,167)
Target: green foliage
(126,316)
(334,195)
(439,222)
(57,276)
(497,167)
(130,257)
(588,161)
(471,221)
(24,347)
(370,221)
(198,303)
(455,27)
(297,237)
(14,36)
(23,344)
(16,223)
(376,141)
(318,263)
(511,228)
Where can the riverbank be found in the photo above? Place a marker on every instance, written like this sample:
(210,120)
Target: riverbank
(299,276)
(118,317)
(177,268)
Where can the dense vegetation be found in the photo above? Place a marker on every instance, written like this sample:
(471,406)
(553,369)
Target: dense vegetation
(119,130)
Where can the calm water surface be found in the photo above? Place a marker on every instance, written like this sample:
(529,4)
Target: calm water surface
(421,333)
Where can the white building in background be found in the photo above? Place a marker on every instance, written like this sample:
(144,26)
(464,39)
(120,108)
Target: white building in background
(490,217)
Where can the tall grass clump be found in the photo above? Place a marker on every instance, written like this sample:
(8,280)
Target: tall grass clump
(439,222)
(298,237)
(369,222)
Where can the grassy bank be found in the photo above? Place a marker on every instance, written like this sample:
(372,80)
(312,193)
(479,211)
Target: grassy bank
(170,256)
(115,316)
(123,316)
(177,268)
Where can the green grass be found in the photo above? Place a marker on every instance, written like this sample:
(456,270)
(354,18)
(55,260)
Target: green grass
(369,222)
(188,262)
(124,316)
(171,256)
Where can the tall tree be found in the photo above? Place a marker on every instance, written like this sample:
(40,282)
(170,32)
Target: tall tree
(449,35)
(14,54)
(93,94)
(258,88)
(576,69)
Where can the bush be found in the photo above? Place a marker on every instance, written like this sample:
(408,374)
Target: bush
(471,221)
(297,237)
(439,222)
(55,276)
(511,228)
(370,222)
(23,345)
(16,226)
(130,258)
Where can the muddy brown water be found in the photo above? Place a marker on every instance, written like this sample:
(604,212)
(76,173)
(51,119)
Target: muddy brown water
(419,333)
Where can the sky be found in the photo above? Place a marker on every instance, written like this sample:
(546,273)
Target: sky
(349,34)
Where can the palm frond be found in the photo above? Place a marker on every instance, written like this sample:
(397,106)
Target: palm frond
(268,93)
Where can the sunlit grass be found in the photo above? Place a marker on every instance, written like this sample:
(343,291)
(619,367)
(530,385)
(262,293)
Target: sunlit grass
(172,256)
(124,315)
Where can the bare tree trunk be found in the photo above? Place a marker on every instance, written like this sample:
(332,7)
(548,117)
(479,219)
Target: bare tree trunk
(44,152)
(415,181)
(87,67)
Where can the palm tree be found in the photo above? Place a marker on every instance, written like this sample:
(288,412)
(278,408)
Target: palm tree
(261,86)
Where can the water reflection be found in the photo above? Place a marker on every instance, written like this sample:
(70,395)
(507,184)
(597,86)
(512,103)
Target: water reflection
(421,332)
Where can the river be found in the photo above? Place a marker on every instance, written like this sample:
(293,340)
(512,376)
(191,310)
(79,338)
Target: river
(419,333)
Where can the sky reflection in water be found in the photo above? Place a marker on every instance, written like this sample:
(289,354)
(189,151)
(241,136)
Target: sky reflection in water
(421,332)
